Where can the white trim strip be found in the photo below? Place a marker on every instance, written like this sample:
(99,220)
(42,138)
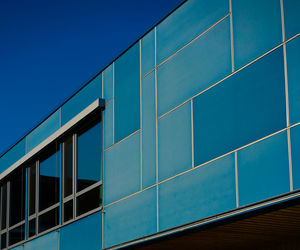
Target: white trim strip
(88,110)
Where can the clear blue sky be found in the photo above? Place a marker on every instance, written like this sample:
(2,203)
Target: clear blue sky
(49,49)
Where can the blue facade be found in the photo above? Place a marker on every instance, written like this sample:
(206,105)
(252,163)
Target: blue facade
(201,118)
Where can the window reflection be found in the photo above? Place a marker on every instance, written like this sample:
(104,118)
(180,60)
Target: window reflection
(89,148)
(49,179)
(68,167)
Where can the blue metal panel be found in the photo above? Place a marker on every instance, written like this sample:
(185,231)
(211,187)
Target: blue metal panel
(256,28)
(148,52)
(108,78)
(174,142)
(186,23)
(295,148)
(127,93)
(44,130)
(18,248)
(130,218)
(293,66)
(108,125)
(12,155)
(199,65)
(203,192)
(148,131)
(48,241)
(122,169)
(81,100)
(263,169)
(291,17)
(245,107)
(85,233)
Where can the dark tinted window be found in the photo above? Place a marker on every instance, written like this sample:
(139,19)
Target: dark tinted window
(4,206)
(3,241)
(48,220)
(89,150)
(16,235)
(68,167)
(31,228)
(49,179)
(68,210)
(89,201)
(31,188)
(17,197)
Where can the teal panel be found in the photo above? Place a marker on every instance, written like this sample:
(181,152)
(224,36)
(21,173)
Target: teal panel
(263,169)
(127,93)
(148,131)
(81,100)
(122,169)
(148,52)
(243,108)
(256,28)
(293,66)
(186,23)
(18,248)
(43,131)
(48,241)
(291,17)
(205,191)
(12,155)
(108,125)
(131,218)
(174,142)
(85,233)
(196,67)
(295,148)
(108,83)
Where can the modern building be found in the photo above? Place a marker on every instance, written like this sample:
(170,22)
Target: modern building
(188,140)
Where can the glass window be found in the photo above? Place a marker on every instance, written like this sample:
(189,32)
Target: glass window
(89,201)
(68,210)
(32,228)
(3,241)
(49,179)
(3,206)
(17,234)
(89,152)
(49,220)
(31,188)
(68,166)
(17,197)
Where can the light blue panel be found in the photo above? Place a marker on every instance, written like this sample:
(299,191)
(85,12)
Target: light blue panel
(256,28)
(18,248)
(291,17)
(203,192)
(81,100)
(48,241)
(12,155)
(295,148)
(108,78)
(131,218)
(85,233)
(186,23)
(108,125)
(148,131)
(127,93)
(263,169)
(122,169)
(148,52)
(199,65)
(174,142)
(293,69)
(44,130)
(243,108)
